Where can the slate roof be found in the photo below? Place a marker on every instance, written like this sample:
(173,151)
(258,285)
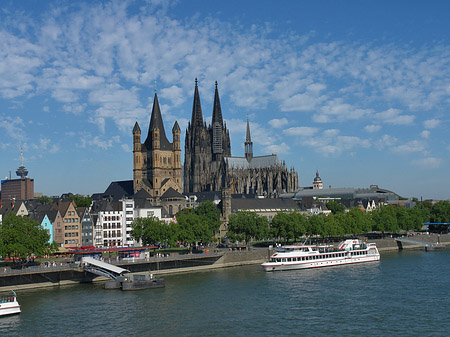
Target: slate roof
(119,189)
(156,122)
(258,162)
(206,196)
(349,193)
(141,194)
(171,193)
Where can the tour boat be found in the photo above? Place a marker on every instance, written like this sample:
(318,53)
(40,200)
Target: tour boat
(315,256)
(9,305)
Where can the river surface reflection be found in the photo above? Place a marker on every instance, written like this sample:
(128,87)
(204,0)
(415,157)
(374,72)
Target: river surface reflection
(404,294)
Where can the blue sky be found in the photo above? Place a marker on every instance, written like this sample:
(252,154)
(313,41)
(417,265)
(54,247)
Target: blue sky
(359,90)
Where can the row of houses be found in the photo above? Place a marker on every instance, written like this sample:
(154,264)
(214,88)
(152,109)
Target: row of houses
(107,222)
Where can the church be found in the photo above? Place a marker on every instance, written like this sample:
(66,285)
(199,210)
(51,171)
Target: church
(209,166)
(157,162)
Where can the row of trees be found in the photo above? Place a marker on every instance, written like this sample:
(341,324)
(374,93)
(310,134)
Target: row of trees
(290,226)
(202,223)
(22,238)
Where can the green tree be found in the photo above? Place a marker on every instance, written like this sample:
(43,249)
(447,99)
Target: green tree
(150,230)
(22,238)
(245,225)
(385,219)
(44,200)
(192,229)
(288,225)
(440,212)
(81,200)
(335,207)
(209,214)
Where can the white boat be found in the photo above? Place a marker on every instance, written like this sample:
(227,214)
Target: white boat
(314,256)
(9,305)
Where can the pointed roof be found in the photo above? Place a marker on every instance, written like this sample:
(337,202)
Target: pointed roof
(136,128)
(156,122)
(171,193)
(176,127)
(197,117)
(217,110)
(248,139)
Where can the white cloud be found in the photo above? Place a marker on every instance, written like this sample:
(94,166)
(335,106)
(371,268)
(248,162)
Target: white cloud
(282,148)
(336,110)
(425,134)
(278,123)
(410,147)
(431,123)
(13,127)
(393,116)
(386,141)
(304,131)
(372,128)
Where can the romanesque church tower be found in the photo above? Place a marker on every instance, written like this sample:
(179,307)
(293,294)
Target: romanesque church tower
(156,162)
(205,147)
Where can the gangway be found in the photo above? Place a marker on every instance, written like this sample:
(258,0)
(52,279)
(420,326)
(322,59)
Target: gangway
(427,245)
(101,268)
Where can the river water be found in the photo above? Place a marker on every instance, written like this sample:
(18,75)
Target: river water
(407,293)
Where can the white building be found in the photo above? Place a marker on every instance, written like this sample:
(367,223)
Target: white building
(136,209)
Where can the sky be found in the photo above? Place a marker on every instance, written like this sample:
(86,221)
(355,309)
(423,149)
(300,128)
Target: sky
(356,90)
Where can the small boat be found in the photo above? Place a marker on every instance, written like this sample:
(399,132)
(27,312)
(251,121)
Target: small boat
(313,256)
(435,246)
(9,305)
(135,282)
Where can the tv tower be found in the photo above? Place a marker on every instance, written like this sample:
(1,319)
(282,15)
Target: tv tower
(22,172)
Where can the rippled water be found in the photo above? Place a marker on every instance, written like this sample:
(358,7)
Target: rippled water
(405,294)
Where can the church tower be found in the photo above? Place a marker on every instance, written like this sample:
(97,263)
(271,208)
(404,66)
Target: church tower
(197,149)
(317,184)
(156,162)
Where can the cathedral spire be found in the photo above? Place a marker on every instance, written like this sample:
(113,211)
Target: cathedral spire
(197,117)
(217,110)
(248,144)
(156,123)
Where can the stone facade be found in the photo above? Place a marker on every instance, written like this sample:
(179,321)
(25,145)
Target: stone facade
(209,166)
(156,162)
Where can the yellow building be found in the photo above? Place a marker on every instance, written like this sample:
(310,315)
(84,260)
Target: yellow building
(156,162)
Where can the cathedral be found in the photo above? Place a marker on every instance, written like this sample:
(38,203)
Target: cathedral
(209,166)
(156,162)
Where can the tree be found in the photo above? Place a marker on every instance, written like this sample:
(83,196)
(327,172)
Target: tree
(44,200)
(245,225)
(81,200)
(192,228)
(288,225)
(22,238)
(335,207)
(150,230)
(209,214)
(385,219)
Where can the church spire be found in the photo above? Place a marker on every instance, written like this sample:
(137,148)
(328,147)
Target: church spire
(156,123)
(217,125)
(248,144)
(217,110)
(197,117)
